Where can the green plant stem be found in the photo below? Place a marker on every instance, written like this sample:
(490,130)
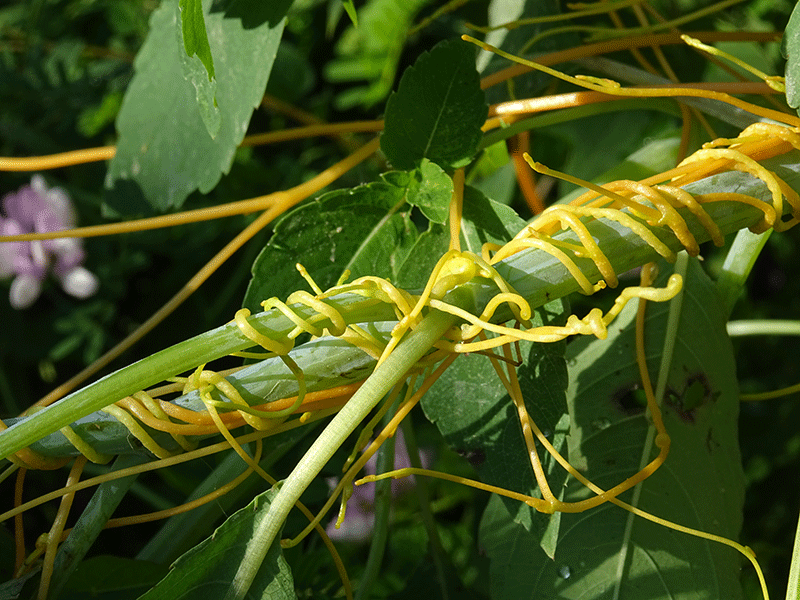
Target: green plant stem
(382,508)
(763,327)
(170,362)
(737,266)
(534,274)
(385,376)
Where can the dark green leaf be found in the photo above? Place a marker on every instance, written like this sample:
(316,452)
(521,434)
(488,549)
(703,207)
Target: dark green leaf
(113,574)
(701,484)
(791,50)
(437,111)
(207,569)
(358,229)
(165,151)
(431,189)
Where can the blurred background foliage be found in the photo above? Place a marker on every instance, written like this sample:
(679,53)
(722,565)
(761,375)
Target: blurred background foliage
(64,69)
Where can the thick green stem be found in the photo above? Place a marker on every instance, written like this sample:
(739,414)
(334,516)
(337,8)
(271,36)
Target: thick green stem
(534,274)
(170,362)
(385,376)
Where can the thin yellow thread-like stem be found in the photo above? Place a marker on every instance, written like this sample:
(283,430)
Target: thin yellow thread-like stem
(657,92)
(101,153)
(55,161)
(792,389)
(572,99)
(58,527)
(602,32)
(615,45)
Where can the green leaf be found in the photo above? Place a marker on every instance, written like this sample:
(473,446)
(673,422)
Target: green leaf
(701,485)
(208,568)
(113,574)
(359,229)
(372,51)
(431,189)
(165,151)
(437,111)
(195,38)
(791,51)
(195,70)
(350,8)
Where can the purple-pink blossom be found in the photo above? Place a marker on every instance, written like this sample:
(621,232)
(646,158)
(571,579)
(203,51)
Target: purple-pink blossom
(359,516)
(35,208)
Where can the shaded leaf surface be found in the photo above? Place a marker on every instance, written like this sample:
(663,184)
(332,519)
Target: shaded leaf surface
(701,484)
(206,570)
(113,574)
(164,148)
(437,111)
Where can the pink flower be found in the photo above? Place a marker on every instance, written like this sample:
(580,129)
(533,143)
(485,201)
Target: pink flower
(359,516)
(35,208)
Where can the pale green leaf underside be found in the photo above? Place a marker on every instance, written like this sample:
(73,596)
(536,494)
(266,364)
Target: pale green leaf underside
(165,151)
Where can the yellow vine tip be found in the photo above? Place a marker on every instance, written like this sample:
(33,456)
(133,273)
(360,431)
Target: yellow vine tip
(601,81)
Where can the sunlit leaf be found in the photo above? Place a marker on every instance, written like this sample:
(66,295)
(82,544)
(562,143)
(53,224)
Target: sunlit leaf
(431,189)
(358,229)
(165,151)
(791,51)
